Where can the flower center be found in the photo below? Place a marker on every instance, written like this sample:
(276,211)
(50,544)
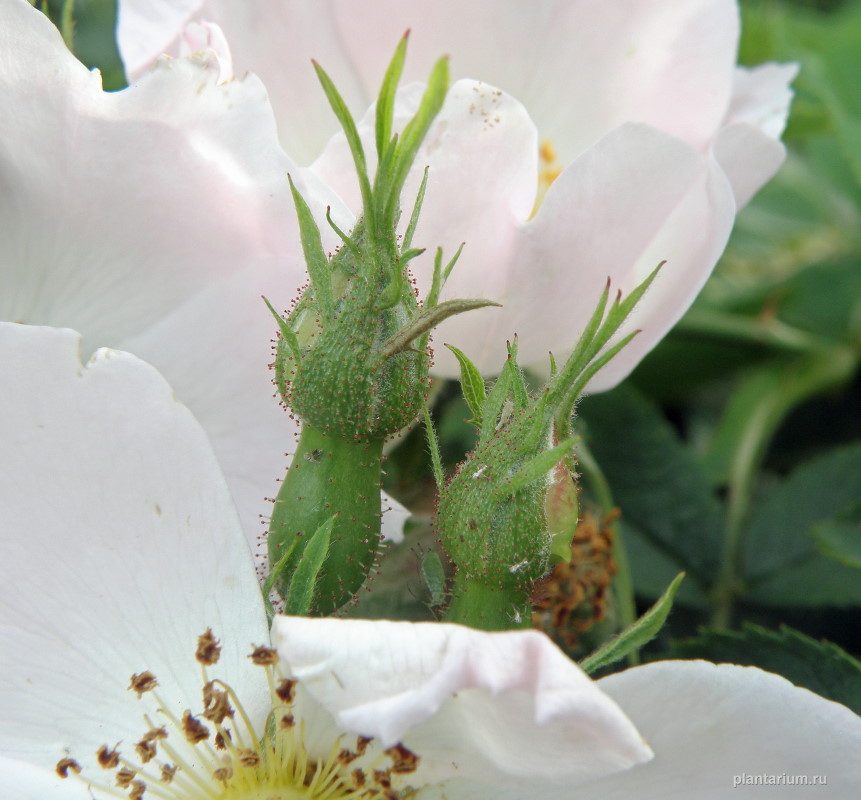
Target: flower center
(549,170)
(219,754)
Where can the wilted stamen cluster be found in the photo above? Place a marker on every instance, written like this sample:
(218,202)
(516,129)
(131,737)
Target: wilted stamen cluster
(219,754)
(573,597)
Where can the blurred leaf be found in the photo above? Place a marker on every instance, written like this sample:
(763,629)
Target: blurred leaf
(840,537)
(94,44)
(781,560)
(821,667)
(761,402)
(637,635)
(655,480)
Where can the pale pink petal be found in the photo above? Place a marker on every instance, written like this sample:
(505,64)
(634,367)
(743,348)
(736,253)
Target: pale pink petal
(709,723)
(581,67)
(761,97)
(120,546)
(202,36)
(275,40)
(23,781)
(148,29)
(394,518)
(153,219)
(748,146)
(496,707)
(636,198)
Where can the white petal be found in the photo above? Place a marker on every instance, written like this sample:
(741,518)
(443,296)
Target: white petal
(120,546)
(761,97)
(146,30)
(709,723)
(494,707)
(638,197)
(581,67)
(394,518)
(23,781)
(152,219)
(203,36)
(747,147)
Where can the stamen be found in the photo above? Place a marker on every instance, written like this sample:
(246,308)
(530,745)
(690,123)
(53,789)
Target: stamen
(208,649)
(66,764)
(232,759)
(142,683)
(108,759)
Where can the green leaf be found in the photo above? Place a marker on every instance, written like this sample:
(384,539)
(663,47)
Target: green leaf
(821,667)
(414,217)
(471,384)
(637,635)
(413,134)
(763,400)
(494,405)
(782,563)
(519,394)
(286,331)
(349,126)
(433,446)
(537,467)
(426,319)
(656,481)
(300,596)
(67,24)
(386,99)
(840,537)
(315,256)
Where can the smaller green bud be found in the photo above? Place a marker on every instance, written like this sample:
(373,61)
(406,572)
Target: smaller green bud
(512,504)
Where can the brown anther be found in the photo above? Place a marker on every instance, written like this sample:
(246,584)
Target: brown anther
(362,743)
(154,734)
(249,757)
(137,790)
(223,774)
(358,778)
(220,743)
(403,760)
(216,705)
(195,731)
(146,751)
(66,764)
(286,690)
(382,778)
(107,758)
(143,682)
(264,656)
(208,650)
(287,721)
(346,757)
(167,773)
(124,777)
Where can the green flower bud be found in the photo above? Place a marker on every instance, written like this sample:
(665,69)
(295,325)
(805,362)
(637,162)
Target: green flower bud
(352,361)
(512,503)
